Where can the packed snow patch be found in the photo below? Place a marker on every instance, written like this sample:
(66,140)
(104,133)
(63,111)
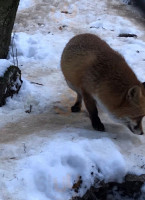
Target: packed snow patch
(108,23)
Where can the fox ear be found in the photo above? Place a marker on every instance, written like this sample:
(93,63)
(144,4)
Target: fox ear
(143,84)
(134,94)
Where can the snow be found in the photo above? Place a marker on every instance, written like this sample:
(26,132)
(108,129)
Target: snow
(4,64)
(45,152)
(123,26)
(126,1)
(25,4)
(34,48)
(50,176)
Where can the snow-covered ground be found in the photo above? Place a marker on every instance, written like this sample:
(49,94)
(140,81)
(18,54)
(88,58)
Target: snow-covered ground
(42,154)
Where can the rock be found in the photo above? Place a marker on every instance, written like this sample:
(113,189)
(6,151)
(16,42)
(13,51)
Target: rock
(10,83)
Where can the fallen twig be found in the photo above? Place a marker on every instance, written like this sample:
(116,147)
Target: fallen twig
(65,12)
(24,147)
(13,49)
(127,35)
(30,110)
(36,83)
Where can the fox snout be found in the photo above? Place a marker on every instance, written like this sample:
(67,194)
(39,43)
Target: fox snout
(137,132)
(136,127)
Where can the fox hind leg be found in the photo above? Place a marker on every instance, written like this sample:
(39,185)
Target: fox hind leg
(78,104)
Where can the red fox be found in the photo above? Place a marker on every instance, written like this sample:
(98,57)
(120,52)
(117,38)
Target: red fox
(100,76)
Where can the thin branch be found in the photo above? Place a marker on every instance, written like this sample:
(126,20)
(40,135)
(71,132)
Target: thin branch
(30,109)
(36,83)
(13,50)
(17,58)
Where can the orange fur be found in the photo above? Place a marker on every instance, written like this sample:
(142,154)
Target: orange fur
(92,68)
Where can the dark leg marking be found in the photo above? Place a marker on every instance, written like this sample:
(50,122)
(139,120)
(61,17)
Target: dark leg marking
(77,106)
(90,104)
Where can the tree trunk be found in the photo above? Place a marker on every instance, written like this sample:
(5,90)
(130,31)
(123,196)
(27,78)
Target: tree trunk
(8,9)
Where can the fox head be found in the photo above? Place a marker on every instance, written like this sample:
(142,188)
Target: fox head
(132,111)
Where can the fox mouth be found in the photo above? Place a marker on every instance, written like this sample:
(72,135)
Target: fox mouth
(130,128)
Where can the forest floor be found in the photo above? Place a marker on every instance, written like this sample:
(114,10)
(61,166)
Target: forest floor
(44,153)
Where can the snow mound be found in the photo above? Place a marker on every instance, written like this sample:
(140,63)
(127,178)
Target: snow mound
(38,47)
(50,176)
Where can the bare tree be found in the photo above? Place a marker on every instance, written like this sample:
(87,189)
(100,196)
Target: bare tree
(8,9)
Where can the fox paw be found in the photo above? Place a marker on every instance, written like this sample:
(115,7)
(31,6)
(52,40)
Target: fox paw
(99,126)
(75,108)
